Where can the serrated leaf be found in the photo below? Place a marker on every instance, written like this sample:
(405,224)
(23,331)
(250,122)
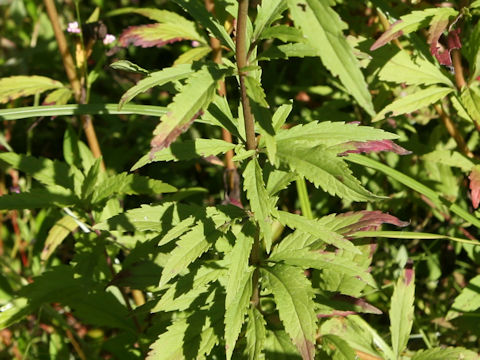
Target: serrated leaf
(91,179)
(192,55)
(129,184)
(261,203)
(293,296)
(473,53)
(283,33)
(449,158)
(286,51)
(324,169)
(401,310)
(156,78)
(187,150)
(414,101)
(157,35)
(38,198)
(329,134)
(342,350)
(201,15)
(190,246)
(279,180)
(468,300)
(411,22)
(161,16)
(323,30)
(267,12)
(126,65)
(57,234)
(177,231)
(279,347)
(281,115)
(313,227)
(403,68)
(255,334)
(58,97)
(187,289)
(470,99)
(191,338)
(194,97)
(446,353)
(13,87)
(239,286)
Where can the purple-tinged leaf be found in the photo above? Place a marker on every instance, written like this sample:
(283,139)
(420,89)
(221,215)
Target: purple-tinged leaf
(373,146)
(164,139)
(474,178)
(369,221)
(347,305)
(387,36)
(440,52)
(147,36)
(434,32)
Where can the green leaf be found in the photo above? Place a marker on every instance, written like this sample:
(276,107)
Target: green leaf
(13,87)
(279,180)
(189,247)
(280,116)
(194,97)
(58,96)
(449,158)
(201,15)
(192,55)
(283,33)
(313,227)
(46,171)
(414,101)
(329,134)
(126,65)
(14,311)
(403,68)
(93,109)
(239,286)
(187,289)
(286,51)
(446,353)
(156,78)
(129,184)
(57,234)
(177,231)
(324,169)
(38,198)
(279,347)
(468,300)
(255,334)
(267,12)
(187,150)
(401,311)
(293,295)
(473,53)
(470,99)
(261,203)
(342,350)
(323,29)
(91,179)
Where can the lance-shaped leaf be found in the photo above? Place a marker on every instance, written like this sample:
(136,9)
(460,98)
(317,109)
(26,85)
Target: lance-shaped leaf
(13,87)
(323,29)
(187,150)
(261,203)
(412,22)
(58,97)
(358,147)
(293,295)
(126,65)
(468,300)
(255,333)
(194,54)
(342,349)
(197,10)
(283,33)
(343,305)
(414,101)
(470,100)
(313,227)
(38,198)
(157,35)
(156,78)
(474,178)
(57,234)
(324,169)
(277,342)
(191,338)
(438,24)
(403,68)
(286,51)
(268,12)
(450,158)
(446,353)
(473,53)
(329,134)
(401,310)
(239,286)
(194,97)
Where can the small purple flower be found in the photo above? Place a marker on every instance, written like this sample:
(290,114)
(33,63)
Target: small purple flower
(195,43)
(73,27)
(108,39)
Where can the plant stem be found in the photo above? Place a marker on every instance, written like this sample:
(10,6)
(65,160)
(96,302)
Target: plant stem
(305,205)
(241,56)
(458,68)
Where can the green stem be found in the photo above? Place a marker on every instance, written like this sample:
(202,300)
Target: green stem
(241,45)
(303,197)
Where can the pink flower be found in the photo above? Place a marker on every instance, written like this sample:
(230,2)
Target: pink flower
(195,43)
(73,27)
(108,39)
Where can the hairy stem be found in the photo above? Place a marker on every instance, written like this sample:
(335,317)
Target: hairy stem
(241,44)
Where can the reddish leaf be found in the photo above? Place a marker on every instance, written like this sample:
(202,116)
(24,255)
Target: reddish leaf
(146,36)
(164,139)
(475,186)
(434,32)
(387,36)
(349,305)
(370,221)
(441,52)
(373,146)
